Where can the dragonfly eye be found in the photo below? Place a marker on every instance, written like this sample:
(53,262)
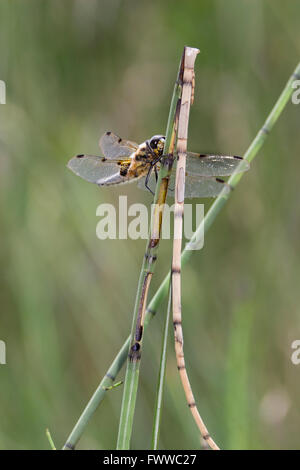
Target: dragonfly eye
(153,144)
(157,142)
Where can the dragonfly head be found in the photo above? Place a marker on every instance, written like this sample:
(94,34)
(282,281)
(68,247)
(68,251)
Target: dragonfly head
(157,143)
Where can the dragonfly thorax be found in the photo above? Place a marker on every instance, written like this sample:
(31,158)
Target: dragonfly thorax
(150,150)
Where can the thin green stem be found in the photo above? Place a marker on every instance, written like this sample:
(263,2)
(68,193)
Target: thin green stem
(49,437)
(149,262)
(163,289)
(97,397)
(161,380)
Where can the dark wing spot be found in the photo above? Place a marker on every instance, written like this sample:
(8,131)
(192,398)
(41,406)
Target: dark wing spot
(103,159)
(108,132)
(220,180)
(120,140)
(80,156)
(239,158)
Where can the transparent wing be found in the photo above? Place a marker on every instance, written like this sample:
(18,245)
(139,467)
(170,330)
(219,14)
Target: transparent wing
(195,185)
(97,170)
(113,146)
(215,165)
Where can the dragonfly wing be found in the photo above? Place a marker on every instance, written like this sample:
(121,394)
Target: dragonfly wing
(215,165)
(113,146)
(97,170)
(195,186)
(204,187)
(151,184)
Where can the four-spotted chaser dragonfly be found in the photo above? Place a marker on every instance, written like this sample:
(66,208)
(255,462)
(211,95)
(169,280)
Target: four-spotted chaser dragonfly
(124,161)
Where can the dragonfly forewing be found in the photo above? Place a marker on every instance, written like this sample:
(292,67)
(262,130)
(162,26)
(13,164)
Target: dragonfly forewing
(215,165)
(114,146)
(97,170)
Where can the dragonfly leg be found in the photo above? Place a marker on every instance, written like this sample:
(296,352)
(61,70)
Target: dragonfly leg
(147,179)
(153,166)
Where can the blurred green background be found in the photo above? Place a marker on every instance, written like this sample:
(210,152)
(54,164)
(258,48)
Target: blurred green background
(74,69)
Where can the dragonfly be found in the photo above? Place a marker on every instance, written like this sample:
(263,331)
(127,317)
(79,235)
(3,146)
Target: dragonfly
(124,161)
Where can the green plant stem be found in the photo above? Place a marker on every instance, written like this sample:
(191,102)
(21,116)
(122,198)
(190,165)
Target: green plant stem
(97,397)
(161,379)
(149,262)
(215,208)
(49,437)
